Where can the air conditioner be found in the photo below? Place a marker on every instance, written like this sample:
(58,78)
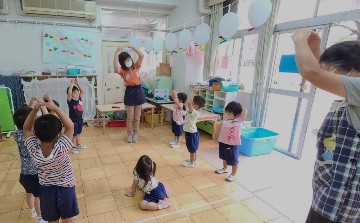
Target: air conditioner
(4,8)
(68,8)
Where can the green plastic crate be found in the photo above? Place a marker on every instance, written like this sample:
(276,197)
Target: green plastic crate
(206,126)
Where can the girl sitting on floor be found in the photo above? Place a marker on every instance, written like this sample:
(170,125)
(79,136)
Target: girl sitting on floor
(155,191)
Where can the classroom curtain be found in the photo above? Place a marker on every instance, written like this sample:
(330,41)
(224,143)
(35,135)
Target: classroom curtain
(262,54)
(57,88)
(212,44)
(14,83)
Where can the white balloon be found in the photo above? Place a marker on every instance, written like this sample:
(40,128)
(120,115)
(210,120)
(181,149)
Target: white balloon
(259,12)
(149,44)
(228,25)
(137,43)
(158,44)
(202,34)
(132,39)
(185,38)
(171,42)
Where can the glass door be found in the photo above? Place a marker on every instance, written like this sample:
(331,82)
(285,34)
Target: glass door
(288,98)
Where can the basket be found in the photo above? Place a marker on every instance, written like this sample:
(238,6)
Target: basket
(229,87)
(147,116)
(117,123)
(257,141)
(216,86)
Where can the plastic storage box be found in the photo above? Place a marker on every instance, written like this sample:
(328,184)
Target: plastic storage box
(257,141)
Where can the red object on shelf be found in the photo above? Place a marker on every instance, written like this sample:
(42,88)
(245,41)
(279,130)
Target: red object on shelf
(117,123)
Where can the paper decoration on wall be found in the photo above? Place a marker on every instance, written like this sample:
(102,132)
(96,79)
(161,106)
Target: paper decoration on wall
(202,34)
(185,38)
(259,12)
(65,46)
(225,59)
(158,44)
(228,25)
(195,51)
(149,45)
(171,42)
(288,64)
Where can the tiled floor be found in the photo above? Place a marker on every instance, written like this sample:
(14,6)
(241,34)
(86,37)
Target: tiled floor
(104,173)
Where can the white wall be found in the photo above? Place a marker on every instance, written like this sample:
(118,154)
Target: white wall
(185,71)
(21,44)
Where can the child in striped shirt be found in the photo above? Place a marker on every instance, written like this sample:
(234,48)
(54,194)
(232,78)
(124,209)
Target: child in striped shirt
(49,148)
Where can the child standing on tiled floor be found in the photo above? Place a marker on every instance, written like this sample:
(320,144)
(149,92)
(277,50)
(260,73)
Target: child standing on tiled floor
(192,138)
(178,117)
(229,138)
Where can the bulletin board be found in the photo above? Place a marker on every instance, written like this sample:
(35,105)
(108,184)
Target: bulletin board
(67,46)
(6,110)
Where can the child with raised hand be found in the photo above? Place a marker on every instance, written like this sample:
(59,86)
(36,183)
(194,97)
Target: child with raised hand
(178,117)
(75,95)
(229,138)
(29,173)
(144,179)
(192,138)
(49,148)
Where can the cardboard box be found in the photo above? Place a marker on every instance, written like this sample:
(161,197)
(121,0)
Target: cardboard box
(163,70)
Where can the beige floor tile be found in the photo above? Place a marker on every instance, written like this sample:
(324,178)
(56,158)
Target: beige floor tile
(100,203)
(140,146)
(208,217)
(281,220)
(124,148)
(12,175)
(16,164)
(107,217)
(9,217)
(97,186)
(81,220)
(120,182)
(90,163)
(79,190)
(3,175)
(134,213)
(104,144)
(200,181)
(130,156)
(188,198)
(106,151)
(82,208)
(110,160)
(165,173)
(11,202)
(179,186)
(88,153)
(75,164)
(261,209)
(11,187)
(238,213)
(123,201)
(115,170)
(180,220)
(130,166)
(197,207)
(92,173)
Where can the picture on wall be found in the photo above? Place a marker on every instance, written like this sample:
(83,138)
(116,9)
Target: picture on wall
(66,46)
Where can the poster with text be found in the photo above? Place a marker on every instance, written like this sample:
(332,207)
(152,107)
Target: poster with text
(66,46)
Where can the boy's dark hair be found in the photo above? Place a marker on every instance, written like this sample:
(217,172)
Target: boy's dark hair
(145,168)
(182,97)
(199,101)
(75,88)
(344,55)
(47,127)
(20,116)
(234,107)
(122,57)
